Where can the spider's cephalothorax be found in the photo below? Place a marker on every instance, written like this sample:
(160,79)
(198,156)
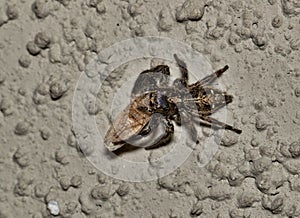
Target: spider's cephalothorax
(180,102)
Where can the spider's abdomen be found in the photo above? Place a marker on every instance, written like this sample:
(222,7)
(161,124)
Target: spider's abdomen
(211,99)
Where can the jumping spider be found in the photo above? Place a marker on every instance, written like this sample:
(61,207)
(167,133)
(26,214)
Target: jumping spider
(181,102)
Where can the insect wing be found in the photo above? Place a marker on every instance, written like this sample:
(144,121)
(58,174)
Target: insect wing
(128,124)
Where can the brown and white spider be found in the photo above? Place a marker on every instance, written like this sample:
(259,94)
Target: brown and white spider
(181,103)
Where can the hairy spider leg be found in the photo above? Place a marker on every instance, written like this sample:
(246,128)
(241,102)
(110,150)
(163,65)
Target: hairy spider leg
(209,79)
(184,72)
(212,122)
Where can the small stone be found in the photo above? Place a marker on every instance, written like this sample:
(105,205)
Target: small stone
(61,158)
(52,194)
(254,142)
(294,182)
(22,128)
(101,178)
(295,44)
(197,209)
(53,207)
(76,181)
(134,10)
(190,10)
(246,199)
(22,91)
(220,192)
(282,50)
(123,190)
(21,157)
(22,188)
(165,21)
(6,106)
(12,12)
(261,164)
(261,123)
(267,150)
(294,149)
(86,149)
(41,190)
(290,7)
(244,33)
(269,181)
(235,178)
(101,193)
(86,206)
(260,41)
(258,105)
(45,133)
(235,213)
(42,40)
(251,154)
(32,48)
(101,9)
(274,205)
(55,53)
(277,22)
(65,183)
(284,150)
(293,166)
(24,61)
(234,39)
(57,89)
(245,169)
(71,141)
(40,9)
(227,139)
(42,89)
(91,106)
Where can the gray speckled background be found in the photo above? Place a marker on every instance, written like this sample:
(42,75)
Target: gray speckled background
(46,44)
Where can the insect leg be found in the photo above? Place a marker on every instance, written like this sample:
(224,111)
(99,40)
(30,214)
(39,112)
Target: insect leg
(209,79)
(169,130)
(184,72)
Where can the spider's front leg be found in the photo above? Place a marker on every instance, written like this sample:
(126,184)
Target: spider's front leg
(208,79)
(183,81)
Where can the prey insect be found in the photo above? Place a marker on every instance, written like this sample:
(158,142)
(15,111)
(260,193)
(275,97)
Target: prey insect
(181,102)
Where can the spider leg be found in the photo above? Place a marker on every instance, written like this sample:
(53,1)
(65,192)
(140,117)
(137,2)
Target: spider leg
(215,123)
(150,80)
(169,131)
(183,81)
(212,122)
(209,79)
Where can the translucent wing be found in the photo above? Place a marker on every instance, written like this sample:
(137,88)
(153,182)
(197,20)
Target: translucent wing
(129,123)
